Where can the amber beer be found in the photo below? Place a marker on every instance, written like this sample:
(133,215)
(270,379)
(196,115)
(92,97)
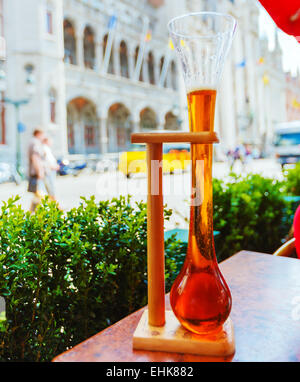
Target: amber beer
(200,297)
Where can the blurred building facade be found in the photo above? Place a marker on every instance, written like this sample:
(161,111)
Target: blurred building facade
(2,74)
(252,92)
(104,69)
(293,97)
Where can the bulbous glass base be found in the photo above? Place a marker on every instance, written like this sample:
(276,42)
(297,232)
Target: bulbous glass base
(200,299)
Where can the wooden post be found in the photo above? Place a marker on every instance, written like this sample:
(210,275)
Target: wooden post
(155,240)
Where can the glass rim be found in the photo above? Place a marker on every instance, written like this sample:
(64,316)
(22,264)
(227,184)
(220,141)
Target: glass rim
(187,36)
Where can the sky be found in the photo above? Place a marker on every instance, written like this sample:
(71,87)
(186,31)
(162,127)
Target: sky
(289,45)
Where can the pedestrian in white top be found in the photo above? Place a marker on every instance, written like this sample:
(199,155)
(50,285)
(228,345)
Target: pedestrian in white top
(51,167)
(36,175)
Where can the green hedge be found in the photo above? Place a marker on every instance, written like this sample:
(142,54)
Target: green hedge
(292,180)
(67,276)
(251,213)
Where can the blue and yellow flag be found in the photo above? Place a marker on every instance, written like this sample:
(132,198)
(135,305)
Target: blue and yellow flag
(112,22)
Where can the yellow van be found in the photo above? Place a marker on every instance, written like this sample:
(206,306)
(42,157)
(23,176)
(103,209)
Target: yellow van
(176,157)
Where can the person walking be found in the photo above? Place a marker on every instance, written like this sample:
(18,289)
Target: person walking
(36,168)
(51,168)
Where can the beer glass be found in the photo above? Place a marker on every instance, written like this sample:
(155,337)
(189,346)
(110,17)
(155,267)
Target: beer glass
(200,297)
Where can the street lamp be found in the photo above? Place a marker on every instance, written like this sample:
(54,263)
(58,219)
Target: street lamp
(30,88)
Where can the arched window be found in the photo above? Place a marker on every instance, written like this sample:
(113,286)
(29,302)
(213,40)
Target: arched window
(173,75)
(90,128)
(161,66)
(89,48)
(69,43)
(171,121)
(148,120)
(83,127)
(110,68)
(52,105)
(136,55)
(119,127)
(151,68)
(49,18)
(124,59)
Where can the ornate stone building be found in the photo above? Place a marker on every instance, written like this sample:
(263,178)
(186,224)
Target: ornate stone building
(104,68)
(251,95)
(114,58)
(293,97)
(2,74)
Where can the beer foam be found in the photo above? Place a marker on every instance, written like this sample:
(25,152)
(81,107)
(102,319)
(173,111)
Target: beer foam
(190,89)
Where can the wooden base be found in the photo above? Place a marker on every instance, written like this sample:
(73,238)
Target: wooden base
(173,337)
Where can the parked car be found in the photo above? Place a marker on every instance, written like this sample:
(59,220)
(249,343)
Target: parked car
(176,157)
(5,173)
(287,142)
(8,174)
(66,167)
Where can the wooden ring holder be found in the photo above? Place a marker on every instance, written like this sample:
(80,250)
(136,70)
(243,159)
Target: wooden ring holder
(158,329)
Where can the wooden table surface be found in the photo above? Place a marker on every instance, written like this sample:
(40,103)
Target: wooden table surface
(265,312)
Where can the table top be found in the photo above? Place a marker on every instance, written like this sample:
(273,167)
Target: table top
(265,312)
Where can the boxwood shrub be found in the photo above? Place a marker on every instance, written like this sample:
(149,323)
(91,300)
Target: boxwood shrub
(66,276)
(292,180)
(251,213)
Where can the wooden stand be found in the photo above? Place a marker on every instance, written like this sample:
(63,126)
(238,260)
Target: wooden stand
(159,329)
(173,337)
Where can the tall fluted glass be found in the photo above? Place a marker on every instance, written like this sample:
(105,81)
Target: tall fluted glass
(200,297)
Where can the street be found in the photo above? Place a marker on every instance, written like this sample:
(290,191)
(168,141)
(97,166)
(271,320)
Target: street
(112,184)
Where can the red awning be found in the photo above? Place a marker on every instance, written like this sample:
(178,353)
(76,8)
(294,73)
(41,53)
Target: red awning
(286,14)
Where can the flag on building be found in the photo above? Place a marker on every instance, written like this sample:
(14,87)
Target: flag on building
(261,61)
(112,22)
(295,103)
(111,27)
(241,64)
(148,36)
(171,46)
(266,79)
